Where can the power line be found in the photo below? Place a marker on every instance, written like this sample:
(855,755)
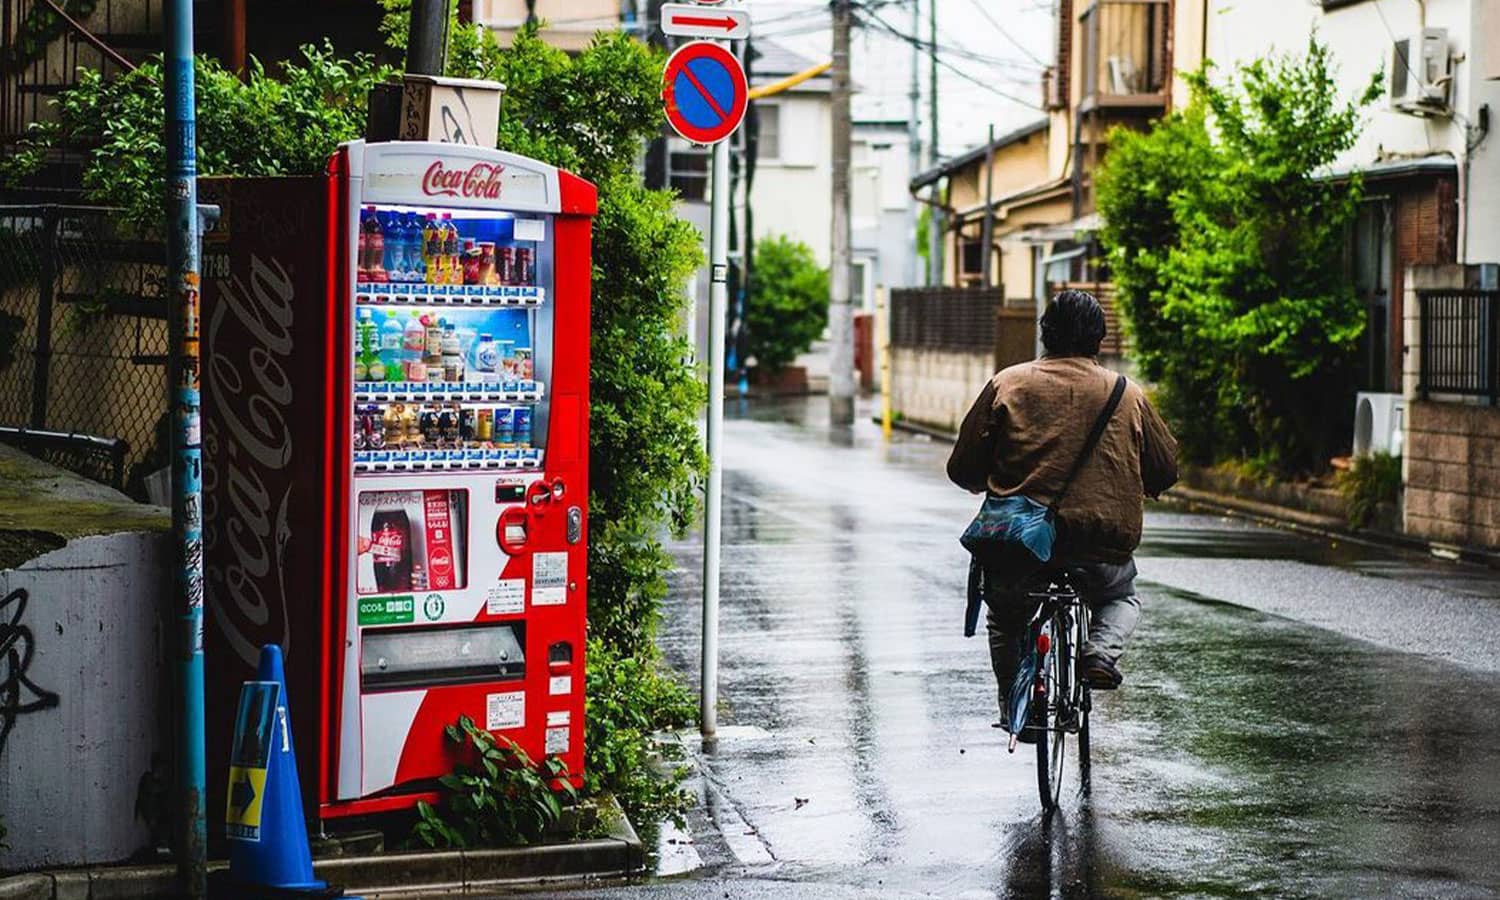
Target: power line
(979,7)
(932,51)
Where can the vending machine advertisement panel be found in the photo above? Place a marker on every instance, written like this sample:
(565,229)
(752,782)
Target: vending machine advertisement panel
(463,298)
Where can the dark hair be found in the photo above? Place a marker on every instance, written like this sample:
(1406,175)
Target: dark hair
(1073,325)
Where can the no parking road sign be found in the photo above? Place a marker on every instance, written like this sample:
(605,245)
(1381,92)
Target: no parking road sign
(705,92)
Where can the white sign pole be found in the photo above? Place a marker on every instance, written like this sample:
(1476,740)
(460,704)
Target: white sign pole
(713,512)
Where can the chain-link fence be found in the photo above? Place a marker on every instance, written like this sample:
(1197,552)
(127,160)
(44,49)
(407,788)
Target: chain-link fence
(83,340)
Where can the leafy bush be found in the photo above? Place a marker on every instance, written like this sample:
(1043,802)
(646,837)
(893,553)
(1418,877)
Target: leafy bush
(629,699)
(788,304)
(262,126)
(1370,481)
(496,797)
(1224,236)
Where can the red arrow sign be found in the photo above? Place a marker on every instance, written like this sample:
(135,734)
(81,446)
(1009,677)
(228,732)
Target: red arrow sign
(727,22)
(689,20)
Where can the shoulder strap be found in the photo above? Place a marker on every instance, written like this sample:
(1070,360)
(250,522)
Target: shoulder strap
(1093,440)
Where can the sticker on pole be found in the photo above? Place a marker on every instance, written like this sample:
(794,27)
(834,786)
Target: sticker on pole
(253,731)
(705,92)
(692,20)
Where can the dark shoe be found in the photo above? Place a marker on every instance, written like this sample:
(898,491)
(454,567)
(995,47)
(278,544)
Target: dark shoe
(1099,673)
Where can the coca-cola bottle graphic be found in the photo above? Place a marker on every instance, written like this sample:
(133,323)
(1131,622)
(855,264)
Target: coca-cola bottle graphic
(390,545)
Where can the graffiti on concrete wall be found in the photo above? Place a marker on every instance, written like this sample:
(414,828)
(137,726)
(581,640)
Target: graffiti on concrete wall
(19,695)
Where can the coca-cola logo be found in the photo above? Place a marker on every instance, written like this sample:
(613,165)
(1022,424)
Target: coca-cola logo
(247,447)
(388,545)
(441,561)
(481,180)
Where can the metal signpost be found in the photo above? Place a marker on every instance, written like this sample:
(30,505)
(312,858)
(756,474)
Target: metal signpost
(706,94)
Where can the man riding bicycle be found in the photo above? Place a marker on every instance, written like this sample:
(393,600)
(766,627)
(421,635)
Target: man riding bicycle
(1022,437)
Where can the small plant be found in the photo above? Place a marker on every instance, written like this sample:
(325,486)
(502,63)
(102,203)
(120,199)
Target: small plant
(496,797)
(1370,481)
(788,305)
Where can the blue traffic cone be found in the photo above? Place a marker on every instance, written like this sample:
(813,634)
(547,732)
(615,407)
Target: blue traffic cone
(268,849)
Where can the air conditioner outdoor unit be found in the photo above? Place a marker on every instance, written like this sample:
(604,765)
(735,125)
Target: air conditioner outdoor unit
(1379,424)
(1421,74)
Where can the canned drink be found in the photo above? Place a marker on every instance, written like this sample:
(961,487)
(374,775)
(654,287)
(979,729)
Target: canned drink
(524,267)
(523,363)
(505,426)
(428,423)
(522,419)
(505,264)
(466,425)
(484,426)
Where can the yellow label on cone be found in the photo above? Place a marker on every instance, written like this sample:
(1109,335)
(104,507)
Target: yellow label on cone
(247,785)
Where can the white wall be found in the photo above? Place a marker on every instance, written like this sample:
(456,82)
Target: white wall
(793,194)
(1361,37)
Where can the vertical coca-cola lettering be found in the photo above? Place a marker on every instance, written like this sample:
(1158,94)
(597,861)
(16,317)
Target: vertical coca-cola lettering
(248,346)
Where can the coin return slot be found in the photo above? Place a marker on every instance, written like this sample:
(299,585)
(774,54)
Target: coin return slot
(393,659)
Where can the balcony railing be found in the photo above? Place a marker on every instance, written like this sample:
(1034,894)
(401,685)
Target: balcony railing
(1125,63)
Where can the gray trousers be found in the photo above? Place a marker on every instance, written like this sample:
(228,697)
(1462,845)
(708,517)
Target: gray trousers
(1114,610)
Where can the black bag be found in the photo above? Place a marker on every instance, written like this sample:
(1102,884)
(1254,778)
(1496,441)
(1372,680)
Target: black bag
(1012,537)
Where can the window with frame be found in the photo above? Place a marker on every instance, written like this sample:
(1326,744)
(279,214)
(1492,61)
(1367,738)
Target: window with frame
(768,145)
(970,260)
(687,169)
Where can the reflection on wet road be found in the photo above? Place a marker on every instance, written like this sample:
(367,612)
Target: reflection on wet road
(1248,754)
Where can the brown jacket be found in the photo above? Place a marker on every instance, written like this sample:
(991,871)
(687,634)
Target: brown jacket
(1025,431)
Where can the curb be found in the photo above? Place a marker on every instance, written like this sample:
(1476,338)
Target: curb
(619,854)
(1322,526)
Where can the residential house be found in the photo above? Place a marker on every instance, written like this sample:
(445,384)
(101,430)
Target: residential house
(1422,255)
(571,24)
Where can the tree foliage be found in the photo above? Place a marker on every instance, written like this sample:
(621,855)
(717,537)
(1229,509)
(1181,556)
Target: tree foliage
(1224,234)
(788,303)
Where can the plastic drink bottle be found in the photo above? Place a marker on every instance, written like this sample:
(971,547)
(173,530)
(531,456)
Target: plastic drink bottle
(395,257)
(416,269)
(413,348)
(374,254)
(363,257)
(452,265)
(432,248)
(365,354)
(392,336)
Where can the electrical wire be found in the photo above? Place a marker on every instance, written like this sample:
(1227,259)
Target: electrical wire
(932,51)
(979,7)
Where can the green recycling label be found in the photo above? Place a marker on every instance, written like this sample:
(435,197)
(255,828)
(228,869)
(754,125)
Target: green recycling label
(386,610)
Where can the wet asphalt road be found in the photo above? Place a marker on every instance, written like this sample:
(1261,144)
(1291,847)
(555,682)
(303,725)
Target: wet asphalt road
(1299,717)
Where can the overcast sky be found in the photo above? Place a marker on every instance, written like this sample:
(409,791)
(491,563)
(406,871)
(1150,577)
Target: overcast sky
(1000,45)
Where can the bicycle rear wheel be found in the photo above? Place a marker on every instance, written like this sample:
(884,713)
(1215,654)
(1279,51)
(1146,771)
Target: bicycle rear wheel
(1051,745)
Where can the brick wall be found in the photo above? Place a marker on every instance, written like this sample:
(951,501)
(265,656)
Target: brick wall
(1453,473)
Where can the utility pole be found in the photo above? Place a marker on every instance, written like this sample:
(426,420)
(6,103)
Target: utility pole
(936,230)
(184,401)
(914,137)
(427,40)
(840,314)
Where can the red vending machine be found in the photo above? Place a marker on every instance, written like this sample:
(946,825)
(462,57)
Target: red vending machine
(396,371)
(458,378)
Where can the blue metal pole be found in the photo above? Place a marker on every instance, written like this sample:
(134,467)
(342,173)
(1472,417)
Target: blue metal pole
(187,472)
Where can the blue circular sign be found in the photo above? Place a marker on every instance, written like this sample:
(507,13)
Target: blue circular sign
(705,92)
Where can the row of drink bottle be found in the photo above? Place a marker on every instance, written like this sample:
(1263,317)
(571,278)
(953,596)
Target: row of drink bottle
(429,348)
(403,247)
(402,426)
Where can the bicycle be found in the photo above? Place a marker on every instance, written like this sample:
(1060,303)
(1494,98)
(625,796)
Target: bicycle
(1049,694)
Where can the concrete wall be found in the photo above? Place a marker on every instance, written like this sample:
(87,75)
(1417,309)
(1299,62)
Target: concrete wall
(70,772)
(934,388)
(1453,473)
